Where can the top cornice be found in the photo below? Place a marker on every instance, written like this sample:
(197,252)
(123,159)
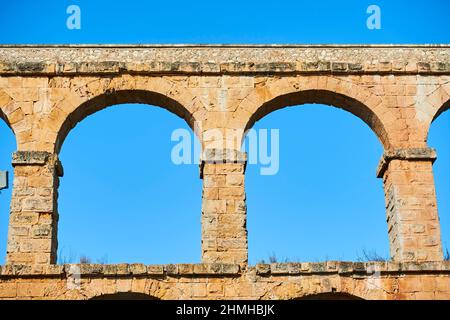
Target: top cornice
(224,59)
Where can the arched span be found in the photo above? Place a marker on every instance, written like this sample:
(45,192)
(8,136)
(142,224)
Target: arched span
(325,97)
(125,296)
(111,98)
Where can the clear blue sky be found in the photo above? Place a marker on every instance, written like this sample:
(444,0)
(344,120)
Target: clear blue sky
(122,199)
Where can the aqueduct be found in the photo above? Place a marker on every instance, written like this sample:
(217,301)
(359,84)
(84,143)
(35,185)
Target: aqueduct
(396,90)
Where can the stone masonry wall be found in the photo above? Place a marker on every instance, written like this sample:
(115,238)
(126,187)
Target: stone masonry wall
(374,280)
(222,91)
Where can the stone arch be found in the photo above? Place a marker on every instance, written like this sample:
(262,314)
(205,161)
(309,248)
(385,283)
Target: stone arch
(334,92)
(124,296)
(341,94)
(175,100)
(120,97)
(330,288)
(102,93)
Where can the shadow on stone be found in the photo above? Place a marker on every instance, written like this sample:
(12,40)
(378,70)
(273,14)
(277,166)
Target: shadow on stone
(125,296)
(330,296)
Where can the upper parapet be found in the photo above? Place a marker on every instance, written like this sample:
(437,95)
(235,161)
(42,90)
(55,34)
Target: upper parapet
(225,59)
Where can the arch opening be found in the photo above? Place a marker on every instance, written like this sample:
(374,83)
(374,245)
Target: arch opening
(112,98)
(8,145)
(438,138)
(125,296)
(122,198)
(323,97)
(325,196)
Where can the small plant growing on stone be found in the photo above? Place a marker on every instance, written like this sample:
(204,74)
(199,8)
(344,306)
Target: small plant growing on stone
(273,259)
(371,255)
(102,260)
(447,255)
(66,258)
(85,260)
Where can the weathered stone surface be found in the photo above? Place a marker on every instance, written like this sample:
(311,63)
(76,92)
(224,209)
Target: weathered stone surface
(221,91)
(78,59)
(412,154)
(138,269)
(30,157)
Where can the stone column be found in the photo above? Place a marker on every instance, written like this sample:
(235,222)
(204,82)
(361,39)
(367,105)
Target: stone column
(412,216)
(224,232)
(32,234)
